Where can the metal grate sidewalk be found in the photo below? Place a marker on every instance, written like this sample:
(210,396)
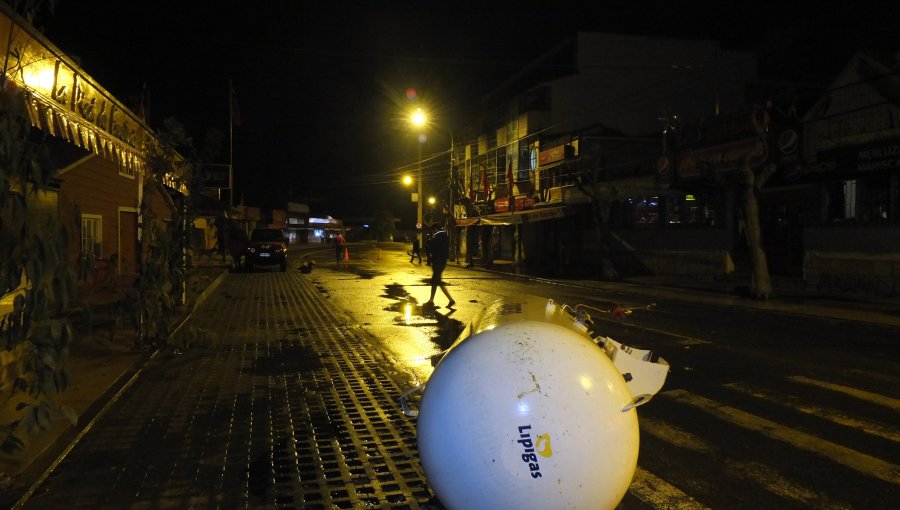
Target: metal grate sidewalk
(291,410)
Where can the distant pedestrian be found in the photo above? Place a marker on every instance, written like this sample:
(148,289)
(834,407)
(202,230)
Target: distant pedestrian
(340,244)
(440,253)
(416,251)
(427,235)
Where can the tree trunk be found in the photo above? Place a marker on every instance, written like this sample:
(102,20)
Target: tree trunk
(761,282)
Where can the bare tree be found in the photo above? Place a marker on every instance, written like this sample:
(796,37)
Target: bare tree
(751,181)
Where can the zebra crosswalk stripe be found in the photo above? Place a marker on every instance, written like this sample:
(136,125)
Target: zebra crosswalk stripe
(873,428)
(865,464)
(659,493)
(760,474)
(875,398)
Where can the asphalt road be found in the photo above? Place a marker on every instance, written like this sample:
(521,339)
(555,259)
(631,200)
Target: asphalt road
(762,408)
(295,406)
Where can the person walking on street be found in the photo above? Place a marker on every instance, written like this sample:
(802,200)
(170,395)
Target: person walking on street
(440,253)
(416,250)
(340,244)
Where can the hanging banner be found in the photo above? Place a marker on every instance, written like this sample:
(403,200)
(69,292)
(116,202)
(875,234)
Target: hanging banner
(502,204)
(721,159)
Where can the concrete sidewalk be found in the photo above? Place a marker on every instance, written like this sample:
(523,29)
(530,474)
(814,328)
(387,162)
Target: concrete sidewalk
(101,362)
(291,408)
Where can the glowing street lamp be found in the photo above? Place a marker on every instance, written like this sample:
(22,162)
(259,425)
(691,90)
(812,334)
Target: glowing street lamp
(418,118)
(408,181)
(431,202)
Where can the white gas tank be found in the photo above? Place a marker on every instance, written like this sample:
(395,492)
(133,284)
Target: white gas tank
(526,411)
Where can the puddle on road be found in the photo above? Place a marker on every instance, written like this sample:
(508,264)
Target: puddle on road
(365,273)
(411,313)
(396,291)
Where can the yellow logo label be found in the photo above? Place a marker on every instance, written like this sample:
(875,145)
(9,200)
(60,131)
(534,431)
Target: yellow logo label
(542,446)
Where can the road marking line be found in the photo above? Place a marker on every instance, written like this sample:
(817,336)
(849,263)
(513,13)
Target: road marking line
(875,398)
(865,464)
(883,378)
(682,340)
(674,436)
(658,493)
(773,482)
(833,415)
(760,474)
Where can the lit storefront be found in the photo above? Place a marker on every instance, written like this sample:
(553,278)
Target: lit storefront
(101,147)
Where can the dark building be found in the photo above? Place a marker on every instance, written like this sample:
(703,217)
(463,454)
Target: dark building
(629,159)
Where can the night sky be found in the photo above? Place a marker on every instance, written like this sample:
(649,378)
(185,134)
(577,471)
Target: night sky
(322,86)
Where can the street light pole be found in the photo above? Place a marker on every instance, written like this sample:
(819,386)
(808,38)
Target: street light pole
(451,222)
(419,225)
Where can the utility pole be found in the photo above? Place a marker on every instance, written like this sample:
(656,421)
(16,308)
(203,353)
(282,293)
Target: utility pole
(421,227)
(231,121)
(451,221)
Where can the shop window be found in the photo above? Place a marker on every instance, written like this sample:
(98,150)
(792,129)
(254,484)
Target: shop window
(874,199)
(860,200)
(91,235)
(635,212)
(691,209)
(849,197)
(842,201)
(678,210)
(646,211)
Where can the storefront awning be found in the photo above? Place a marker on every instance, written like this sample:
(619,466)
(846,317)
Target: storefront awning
(467,222)
(517,217)
(541,214)
(63,100)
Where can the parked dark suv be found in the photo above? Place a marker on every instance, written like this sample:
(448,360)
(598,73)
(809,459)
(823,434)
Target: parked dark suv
(267,248)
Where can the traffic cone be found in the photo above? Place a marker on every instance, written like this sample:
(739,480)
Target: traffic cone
(346,254)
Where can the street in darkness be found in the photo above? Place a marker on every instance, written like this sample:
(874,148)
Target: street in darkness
(765,406)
